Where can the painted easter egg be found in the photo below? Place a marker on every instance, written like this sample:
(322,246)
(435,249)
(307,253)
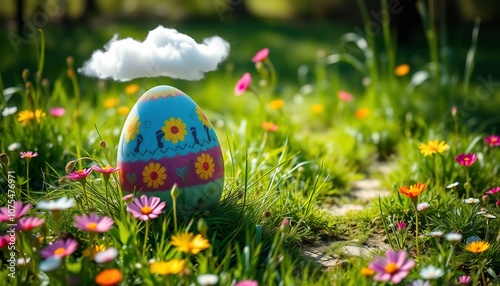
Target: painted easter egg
(167,140)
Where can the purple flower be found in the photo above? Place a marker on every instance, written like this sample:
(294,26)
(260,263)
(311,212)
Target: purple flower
(493,191)
(61,248)
(466,159)
(401,226)
(93,223)
(14,214)
(464,279)
(394,267)
(29,223)
(145,209)
(247,283)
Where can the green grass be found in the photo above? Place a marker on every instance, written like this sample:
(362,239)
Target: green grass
(313,158)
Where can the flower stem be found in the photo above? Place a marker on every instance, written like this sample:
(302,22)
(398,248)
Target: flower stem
(145,238)
(416,231)
(467,186)
(107,200)
(28,177)
(86,196)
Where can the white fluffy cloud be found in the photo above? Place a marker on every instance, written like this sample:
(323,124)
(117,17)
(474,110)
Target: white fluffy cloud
(164,52)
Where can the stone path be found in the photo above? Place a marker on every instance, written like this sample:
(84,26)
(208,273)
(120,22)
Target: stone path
(363,192)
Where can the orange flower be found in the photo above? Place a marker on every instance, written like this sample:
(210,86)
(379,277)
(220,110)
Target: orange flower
(362,113)
(269,126)
(402,70)
(413,191)
(109,277)
(276,104)
(131,89)
(366,271)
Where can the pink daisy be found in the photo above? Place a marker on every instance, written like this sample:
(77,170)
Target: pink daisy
(29,223)
(466,159)
(260,55)
(145,208)
(395,266)
(61,248)
(243,84)
(19,211)
(93,223)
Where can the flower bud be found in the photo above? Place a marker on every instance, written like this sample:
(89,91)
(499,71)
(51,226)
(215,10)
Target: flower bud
(202,227)
(70,166)
(102,144)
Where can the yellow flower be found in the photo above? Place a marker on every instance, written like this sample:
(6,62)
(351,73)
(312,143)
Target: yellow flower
(123,110)
(202,117)
(132,128)
(317,108)
(205,166)
(276,104)
(131,89)
(366,271)
(477,246)
(402,70)
(110,102)
(173,266)
(433,147)
(174,130)
(362,113)
(26,116)
(154,175)
(185,242)
(92,251)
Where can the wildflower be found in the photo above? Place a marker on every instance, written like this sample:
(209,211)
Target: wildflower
(464,279)
(269,126)
(128,198)
(453,111)
(471,201)
(80,175)
(243,84)
(173,266)
(478,246)
(394,267)
(401,226)
(362,113)
(9,111)
(14,146)
(106,255)
(131,89)
(285,225)
(57,111)
(492,140)
(419,283)
(493,191)
(105,171)
(433,147)
(91,251)
(109,277)
(28,155)
(23,260)
(276,104)
(345,96)
(367,271)
(436,233)
(260,55)
(29,223)
(26,116)
(413,191)
(422,206)
(5,239)
(123,110)
(402,70)
(452,185)
(207,279)
(19,211)
(185,242)
(466,159)
(61,248)
(453,237)
(93,223)
(247,283)
(145,209)
(62,203)
(50,264)
(110,102)
(431,272)
(317,108)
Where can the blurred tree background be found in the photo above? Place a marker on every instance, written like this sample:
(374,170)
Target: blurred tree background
(294,29)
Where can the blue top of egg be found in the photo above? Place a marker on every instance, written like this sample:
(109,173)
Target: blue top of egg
(165,122)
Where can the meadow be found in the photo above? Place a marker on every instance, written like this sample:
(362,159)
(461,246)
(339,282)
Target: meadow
(294,140)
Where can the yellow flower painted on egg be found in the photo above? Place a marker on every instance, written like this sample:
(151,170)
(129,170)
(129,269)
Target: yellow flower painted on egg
(202,117)
(205,166)
(132,129)
(154,175)
(174,130)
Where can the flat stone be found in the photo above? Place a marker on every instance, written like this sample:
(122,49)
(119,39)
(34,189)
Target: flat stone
(367,195)
(344,209)
(318,254)
(357,251)
(366,184)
